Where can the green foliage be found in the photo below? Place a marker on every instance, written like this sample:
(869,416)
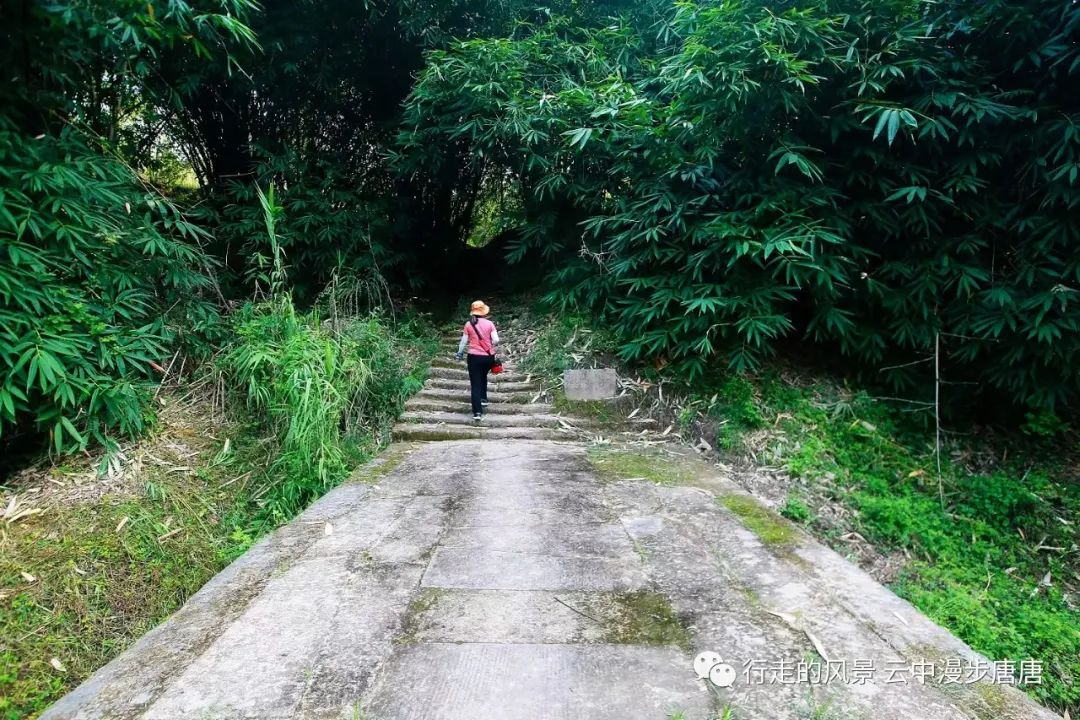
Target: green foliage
(716,176)
(736,409)
(326,390)
(100,63)
(564,342)
(326,224)
(996,564)
(795,509)
(326,395)
(317,111)
(303,381)
(1044,423)
(498,210)
(883,178)
(97,589)
(97,270)
(96,273)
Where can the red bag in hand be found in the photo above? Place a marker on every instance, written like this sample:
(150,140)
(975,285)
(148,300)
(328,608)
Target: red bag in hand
(496,367)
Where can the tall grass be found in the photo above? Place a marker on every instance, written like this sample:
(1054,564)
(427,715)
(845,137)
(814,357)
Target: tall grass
(302,381)
(326,396)
(326,387)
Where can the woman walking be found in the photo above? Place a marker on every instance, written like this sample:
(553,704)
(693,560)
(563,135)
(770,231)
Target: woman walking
(480,337)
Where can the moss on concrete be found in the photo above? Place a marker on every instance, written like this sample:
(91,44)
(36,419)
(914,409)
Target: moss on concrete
(380,466)
(598,410)
(983,700)
(927,653)
(647,618)
(613,465)
(987,701)
(411,623)
(608,412)
(767,525)
(441,435)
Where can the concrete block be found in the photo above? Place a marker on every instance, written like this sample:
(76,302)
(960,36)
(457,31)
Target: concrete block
(596,384)
(459,568)
(481,681)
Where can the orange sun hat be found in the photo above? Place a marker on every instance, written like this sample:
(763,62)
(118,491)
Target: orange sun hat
(479,308)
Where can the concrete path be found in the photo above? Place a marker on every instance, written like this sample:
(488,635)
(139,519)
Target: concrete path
(524,579)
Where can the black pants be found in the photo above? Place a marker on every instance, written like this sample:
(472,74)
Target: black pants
(479,365)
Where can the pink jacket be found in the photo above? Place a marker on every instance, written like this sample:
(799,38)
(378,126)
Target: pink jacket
(482,344)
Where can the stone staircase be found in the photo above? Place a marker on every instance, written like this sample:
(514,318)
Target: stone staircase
(441,411)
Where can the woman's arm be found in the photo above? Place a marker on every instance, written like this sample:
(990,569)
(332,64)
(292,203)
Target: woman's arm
(494,336)
(463,344)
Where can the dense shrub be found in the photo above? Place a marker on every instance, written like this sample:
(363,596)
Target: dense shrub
(888,178)
(333,221)
(96,271)
(326,394)
(97,268)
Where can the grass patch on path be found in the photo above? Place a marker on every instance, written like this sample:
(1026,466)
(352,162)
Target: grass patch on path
(614,464)
(772,529)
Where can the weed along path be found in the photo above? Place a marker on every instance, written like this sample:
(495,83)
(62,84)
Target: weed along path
(515,572)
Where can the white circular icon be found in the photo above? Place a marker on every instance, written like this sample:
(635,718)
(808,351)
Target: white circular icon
(704,662)
(722,675)
(710,665)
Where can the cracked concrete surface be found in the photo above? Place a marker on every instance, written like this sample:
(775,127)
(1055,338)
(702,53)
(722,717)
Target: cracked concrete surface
(484,579)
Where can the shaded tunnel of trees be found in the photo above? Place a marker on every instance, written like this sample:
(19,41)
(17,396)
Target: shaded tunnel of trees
(892,183)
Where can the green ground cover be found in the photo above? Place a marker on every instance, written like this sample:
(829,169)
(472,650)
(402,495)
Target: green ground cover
(990,549)
(92,572)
